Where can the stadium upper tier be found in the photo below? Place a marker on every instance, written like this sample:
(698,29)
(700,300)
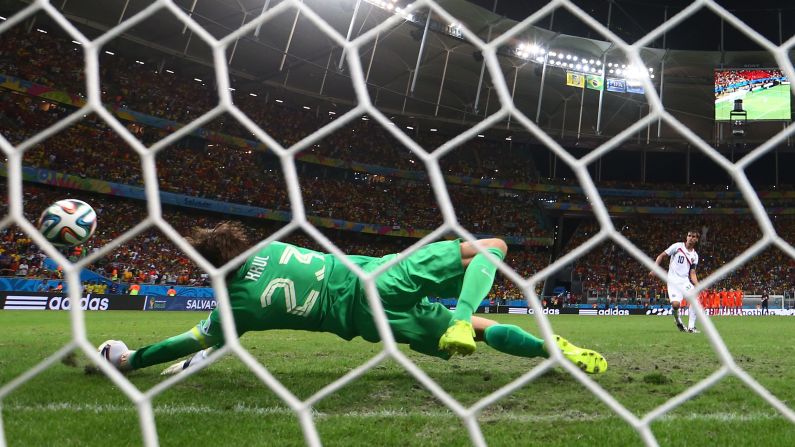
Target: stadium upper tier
(179,69)
(197,167)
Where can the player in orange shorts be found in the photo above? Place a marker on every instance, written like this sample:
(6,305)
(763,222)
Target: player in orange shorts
(715,302)
(738,301)
(723,297)
(703,296)
(727,302)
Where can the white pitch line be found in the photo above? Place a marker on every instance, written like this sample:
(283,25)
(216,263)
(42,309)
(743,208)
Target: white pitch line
(61,407)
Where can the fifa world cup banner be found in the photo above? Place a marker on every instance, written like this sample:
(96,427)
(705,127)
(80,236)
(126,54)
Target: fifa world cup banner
(616,85)
(635,87)
(154,302)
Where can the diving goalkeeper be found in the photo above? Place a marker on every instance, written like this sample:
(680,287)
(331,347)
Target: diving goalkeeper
(288,287)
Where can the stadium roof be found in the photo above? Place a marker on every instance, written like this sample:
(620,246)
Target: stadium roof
(688,74)
(633,19)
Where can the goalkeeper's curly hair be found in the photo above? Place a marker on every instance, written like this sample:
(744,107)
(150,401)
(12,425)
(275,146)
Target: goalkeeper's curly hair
(221,244)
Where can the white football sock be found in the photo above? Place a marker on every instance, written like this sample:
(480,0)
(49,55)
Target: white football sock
(691,321)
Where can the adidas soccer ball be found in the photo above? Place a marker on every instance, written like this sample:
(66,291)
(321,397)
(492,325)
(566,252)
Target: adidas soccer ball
(112,351)
(68,222)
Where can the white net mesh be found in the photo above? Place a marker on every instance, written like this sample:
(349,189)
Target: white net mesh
(303,408)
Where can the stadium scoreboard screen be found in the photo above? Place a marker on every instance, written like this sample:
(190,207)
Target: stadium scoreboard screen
(753,93)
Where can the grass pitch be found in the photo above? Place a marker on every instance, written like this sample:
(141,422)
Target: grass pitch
(770,104)
(650,362)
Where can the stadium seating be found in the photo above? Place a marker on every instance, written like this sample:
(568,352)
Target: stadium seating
(208,169)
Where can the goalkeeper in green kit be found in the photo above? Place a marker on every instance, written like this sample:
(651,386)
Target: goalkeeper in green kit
(288,287)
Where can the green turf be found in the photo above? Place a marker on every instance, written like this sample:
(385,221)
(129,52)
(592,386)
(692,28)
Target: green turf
(650,362)
(770,104)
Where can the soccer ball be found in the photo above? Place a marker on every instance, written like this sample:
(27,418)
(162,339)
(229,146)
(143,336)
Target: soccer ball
(114,351)
(68,222)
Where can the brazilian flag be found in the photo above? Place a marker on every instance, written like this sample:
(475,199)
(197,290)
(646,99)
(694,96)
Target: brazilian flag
(594,82)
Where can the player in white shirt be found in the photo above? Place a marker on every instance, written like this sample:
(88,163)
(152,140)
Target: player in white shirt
(681,275)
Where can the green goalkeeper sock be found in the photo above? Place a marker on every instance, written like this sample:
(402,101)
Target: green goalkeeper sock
(514,340)
(478,279)
(171,349)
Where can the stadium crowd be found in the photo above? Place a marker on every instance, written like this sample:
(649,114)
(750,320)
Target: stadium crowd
(208,169)
(94,151)
(725,78)
(607,268)
(152,258)
(40,58)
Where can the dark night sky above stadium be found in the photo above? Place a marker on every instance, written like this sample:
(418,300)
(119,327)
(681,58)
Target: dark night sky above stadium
(631,19)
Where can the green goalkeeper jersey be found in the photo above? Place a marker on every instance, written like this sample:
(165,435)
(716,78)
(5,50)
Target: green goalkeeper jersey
(288,287)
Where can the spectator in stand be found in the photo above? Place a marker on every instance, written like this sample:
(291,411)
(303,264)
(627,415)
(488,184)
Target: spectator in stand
(572,299)
(22,269)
